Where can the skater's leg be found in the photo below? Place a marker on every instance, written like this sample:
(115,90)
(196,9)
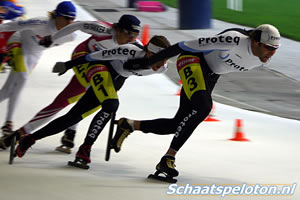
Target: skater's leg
(100,120)
(70,94)
(7,87)
(4,94)
(97,125)
(15,81)
(110,103)
(21,78)
(161,126)
(198,83)
(80,110)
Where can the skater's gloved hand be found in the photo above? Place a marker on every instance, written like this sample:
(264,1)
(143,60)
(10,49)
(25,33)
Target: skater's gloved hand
(135,64)
(59,68)
(46,41)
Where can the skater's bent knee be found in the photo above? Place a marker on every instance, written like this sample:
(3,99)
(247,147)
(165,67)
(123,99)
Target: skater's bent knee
(110,105)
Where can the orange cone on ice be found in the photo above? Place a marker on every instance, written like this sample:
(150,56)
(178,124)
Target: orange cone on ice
(210,117)
(239,135)
(145,37)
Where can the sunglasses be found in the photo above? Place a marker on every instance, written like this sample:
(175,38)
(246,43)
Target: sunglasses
(130,34)
(269,47)
(69,18)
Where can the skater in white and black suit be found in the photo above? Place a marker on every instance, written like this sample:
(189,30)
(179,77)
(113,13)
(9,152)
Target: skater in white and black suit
(105,79)
(200,64)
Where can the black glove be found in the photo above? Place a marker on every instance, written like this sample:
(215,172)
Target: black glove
(46,41)
(59,68)
(145,63)
(62,67)
(135,64)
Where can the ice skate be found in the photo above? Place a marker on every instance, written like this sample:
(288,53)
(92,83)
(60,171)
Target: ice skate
(25,143)
(67,142)
(5,141)
(82,157)
(7,128)
(123,130)
(166,166)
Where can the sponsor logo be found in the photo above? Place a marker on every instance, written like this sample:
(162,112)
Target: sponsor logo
(219,39)
(224,57)
(183,122)
(94,70)
(119,51)
(275,38)
(232,64)
(186,61)
(32,21)
(99,124)
(95,27)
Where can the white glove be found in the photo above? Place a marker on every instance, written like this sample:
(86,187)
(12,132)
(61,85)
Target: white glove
(59,68)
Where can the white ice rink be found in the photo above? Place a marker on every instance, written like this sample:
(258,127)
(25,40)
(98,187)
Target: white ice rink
(271,157)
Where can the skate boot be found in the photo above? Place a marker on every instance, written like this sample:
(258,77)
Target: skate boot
(7,128)
(67,141)
(24,144)
(5,141)
(166,166)
(123,130)
(82,157)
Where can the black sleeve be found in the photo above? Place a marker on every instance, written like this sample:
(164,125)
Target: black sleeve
(77,61)
(144,63)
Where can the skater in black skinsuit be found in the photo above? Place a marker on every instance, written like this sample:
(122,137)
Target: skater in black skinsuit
(200,64)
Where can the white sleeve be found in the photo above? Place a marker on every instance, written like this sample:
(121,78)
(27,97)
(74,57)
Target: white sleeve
(90,27)
(122,52)
(224,41)
(65,39)
(32,23)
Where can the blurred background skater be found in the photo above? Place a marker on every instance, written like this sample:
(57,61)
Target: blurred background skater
(9,10)
(25,51)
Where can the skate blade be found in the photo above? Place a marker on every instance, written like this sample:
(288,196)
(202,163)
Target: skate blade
(161,178)
(64,149)
(78,165)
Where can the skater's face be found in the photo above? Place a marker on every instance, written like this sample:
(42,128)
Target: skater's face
(158,65)
(124,36)
(63,21)
(262,51)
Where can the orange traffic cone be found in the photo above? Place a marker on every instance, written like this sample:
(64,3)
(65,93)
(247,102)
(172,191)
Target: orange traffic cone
(145,34)
(180,87)
(210,117)
(239,135)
